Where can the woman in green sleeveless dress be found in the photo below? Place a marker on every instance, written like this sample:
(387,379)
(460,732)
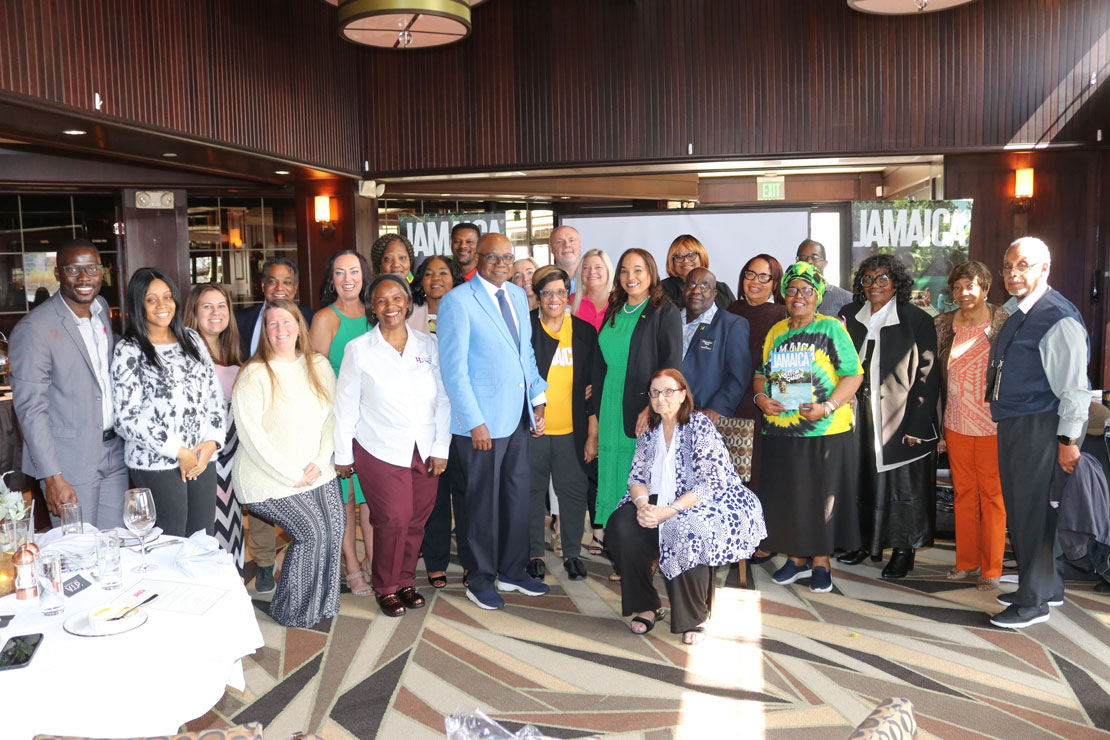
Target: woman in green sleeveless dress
(345,291)
(641,333)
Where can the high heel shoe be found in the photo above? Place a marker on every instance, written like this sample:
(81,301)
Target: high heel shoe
(901,563)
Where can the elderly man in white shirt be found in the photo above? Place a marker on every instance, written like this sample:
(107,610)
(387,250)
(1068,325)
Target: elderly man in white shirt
(393,426)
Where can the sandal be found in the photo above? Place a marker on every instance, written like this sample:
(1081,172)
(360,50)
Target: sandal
(757,559)
(466,579)
(598,548)
(694,636)
(958,574)
(438,579)
(353,580)
(648,626)
(986,584)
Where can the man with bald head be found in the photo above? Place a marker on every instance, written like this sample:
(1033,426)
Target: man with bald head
(497,401)
(836,298)
(566,250)
(62,392)
(1038,391)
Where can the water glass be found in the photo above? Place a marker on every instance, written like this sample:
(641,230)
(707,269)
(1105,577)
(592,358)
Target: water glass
(108,570)
(51,595)
(7,536)
(71,519)
(24,532)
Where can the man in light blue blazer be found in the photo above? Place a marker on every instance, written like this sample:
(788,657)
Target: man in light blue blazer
(497,402)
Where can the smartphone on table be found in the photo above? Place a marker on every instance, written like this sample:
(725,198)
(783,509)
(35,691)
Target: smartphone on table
(19,650)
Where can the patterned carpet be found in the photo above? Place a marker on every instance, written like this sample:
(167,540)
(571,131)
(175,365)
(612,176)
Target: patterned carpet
(780,663)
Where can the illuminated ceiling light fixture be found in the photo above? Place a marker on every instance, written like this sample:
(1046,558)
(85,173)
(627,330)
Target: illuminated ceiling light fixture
(404,24)
(904,7)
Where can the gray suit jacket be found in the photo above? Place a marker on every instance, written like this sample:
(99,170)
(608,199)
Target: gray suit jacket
(56,396)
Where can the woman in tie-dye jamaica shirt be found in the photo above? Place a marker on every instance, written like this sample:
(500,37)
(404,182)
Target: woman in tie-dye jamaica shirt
(810,462)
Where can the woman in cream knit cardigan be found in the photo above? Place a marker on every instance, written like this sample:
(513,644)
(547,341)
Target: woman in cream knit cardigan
(284,470)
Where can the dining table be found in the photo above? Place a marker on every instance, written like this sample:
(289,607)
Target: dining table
(173,667)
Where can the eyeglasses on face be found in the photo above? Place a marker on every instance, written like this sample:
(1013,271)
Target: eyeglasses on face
(546,293)
(1022,267)
(665,393)
(758,276)
(699,287)
(494,259)
(90,270)
(881,280)
(812,259)
(686,257)
(808,291)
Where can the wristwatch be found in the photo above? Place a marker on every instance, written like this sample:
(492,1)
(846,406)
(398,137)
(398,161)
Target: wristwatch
(1065,440)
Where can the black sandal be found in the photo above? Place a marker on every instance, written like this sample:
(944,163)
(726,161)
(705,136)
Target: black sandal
(648,626)
(598,548)
(439,581)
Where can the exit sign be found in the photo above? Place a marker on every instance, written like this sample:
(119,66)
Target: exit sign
(770,188)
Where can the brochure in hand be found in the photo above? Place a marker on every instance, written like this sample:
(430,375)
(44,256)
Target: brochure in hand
(790,380)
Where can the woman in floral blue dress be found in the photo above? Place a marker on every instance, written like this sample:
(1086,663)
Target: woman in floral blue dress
(685,506)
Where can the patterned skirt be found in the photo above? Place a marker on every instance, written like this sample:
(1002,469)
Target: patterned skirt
(308,589)
(229,512)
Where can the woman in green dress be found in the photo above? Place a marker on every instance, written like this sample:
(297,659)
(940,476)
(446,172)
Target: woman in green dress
(641,333)
(345,290)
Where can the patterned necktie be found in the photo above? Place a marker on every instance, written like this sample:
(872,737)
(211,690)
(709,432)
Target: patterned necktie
(508,315)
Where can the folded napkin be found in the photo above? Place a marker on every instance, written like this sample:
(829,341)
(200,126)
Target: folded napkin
(198,552)
(56,535)
(78,551)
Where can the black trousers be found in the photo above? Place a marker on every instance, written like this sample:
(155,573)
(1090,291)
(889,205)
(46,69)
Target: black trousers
(634,548)
(554,457)
(437,532)
(183,507)
(497,506)
(1026,458)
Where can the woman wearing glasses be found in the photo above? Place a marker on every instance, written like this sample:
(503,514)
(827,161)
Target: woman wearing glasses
(809,454)
(684,254)
(686,507)
(642,333)
(760,281)
(897,406)
(565,347)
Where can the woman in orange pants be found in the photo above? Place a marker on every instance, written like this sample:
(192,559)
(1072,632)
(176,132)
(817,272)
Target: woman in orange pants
(964,338)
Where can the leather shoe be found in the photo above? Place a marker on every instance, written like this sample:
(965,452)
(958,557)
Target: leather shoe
(855,557)
(391,605)
(536,568)
(575,568)
(411,597)
(901,563)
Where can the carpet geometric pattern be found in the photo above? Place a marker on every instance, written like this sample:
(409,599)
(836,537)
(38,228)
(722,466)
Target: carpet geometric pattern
(780,663)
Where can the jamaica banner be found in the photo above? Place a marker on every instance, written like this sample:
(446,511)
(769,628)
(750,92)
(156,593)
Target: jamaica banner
(431,233)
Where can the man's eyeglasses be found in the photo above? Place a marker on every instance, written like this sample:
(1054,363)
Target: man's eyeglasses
(545,293)
(881,280)
(666,392)
(687,257)
(700,287)
(90,270)
(808,291)
(758,276)
(1022,267)
(812,259)
(495,259)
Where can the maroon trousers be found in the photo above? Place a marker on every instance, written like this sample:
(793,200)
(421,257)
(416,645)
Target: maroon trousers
(400,502)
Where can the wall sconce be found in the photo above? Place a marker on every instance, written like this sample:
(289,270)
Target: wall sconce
(1023,190)
(323,215)
(235,236)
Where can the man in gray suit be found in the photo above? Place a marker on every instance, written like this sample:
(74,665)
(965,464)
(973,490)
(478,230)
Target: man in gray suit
(62,391)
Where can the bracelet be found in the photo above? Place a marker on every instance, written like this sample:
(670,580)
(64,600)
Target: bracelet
(757,395)
(826,407)
(638,498)
(676,508)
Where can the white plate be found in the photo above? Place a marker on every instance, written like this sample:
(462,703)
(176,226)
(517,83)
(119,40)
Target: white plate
(78,625)
(126,539)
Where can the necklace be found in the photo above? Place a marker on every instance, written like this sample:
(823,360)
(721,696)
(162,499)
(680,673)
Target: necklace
(634,308)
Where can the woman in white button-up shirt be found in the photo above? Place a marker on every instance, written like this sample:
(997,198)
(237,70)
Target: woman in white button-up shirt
(393,428)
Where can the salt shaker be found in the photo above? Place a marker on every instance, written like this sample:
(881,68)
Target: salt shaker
(26,583)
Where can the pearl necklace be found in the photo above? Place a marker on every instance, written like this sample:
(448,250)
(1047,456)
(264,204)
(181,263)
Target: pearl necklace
(636,307)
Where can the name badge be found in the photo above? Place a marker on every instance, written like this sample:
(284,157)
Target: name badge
(706,344)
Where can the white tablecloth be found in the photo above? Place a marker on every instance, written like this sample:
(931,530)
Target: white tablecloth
(148,681)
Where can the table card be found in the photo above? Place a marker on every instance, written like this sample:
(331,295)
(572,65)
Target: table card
(173,596)
(75,585)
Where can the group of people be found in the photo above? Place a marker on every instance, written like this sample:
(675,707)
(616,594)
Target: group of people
(477,393)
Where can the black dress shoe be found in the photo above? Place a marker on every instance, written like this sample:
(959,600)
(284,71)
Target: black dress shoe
(901,563)
(760,559)
(536,568)
(575,568)
(391,605)
(411,597)
(855,557)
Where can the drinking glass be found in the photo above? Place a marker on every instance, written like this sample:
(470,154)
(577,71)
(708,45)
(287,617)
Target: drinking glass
(7,536)
(138,516)
(108,560)
(50,583)
(71,519)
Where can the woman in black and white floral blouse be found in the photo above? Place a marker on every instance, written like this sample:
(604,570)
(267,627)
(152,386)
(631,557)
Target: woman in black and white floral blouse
(169,407)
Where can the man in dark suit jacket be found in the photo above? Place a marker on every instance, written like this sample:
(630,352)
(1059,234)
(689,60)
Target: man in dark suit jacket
(279,281)
(716,359)
(62,392)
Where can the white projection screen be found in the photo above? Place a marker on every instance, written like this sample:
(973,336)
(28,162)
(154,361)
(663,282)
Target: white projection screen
(730,237)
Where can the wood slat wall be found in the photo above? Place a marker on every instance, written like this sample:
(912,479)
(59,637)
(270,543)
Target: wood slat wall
(564,82)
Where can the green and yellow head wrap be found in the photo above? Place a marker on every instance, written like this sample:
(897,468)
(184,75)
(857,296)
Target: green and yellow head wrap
(807,272)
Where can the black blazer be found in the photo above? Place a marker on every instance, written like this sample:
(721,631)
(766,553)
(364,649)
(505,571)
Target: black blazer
(656,344)
(583,341)
(245,319)
(672,288)
(909,379)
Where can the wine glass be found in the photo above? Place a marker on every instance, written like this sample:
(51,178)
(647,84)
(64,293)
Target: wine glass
(138,516)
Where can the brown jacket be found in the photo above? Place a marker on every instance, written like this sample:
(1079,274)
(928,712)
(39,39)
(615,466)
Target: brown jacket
(945,335)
